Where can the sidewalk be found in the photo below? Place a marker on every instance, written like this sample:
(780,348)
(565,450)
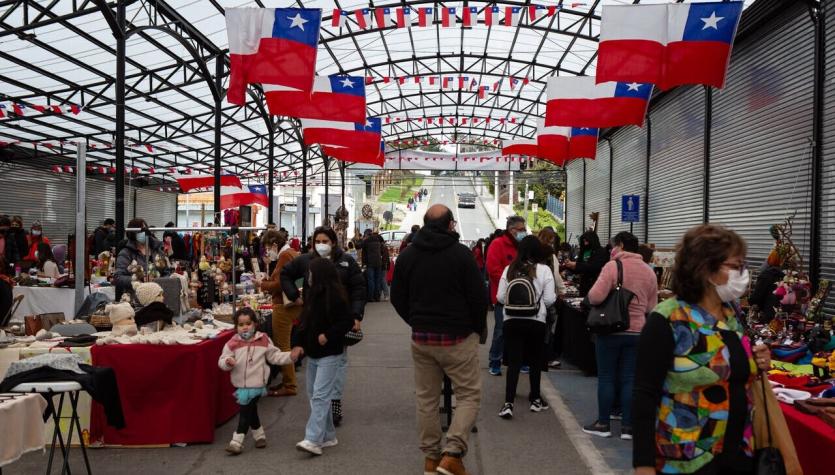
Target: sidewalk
(378,434)
(489,203)
(416,217)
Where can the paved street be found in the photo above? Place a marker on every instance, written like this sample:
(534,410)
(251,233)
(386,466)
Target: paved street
(472,223)
(378,435)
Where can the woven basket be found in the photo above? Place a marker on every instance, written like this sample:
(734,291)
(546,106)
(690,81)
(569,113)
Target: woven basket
(101,322)
(223,317)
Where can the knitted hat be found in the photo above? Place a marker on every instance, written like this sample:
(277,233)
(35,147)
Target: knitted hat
(148,292)
(118,312)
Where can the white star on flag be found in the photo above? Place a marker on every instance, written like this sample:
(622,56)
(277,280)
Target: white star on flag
(368,124)
(712,21)
(634,86)
(347,83)
(297,21)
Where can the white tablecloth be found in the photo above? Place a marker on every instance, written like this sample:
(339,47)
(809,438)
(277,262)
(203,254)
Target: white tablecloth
(23,415)
(37,300)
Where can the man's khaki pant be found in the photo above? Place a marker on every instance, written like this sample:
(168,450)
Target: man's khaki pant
(282,327)
(460,363)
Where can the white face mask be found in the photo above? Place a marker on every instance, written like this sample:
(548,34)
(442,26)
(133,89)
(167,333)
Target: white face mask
(272,254)
(323,250)
(735,287)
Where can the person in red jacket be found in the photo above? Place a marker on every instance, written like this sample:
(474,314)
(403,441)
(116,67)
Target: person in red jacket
(500,254)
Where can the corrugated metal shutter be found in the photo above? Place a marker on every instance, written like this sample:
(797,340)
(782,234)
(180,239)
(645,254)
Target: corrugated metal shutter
(597,189)
(38,195)
(827,233)
(676,166)
(574,199)
(629,147)
(156,207)
(762,131)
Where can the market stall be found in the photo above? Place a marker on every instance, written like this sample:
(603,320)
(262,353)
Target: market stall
(41,300)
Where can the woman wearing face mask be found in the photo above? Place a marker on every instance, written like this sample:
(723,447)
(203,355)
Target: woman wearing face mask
(590,261)
(17,233)
(325,246)
(616,352)
(279,254)
(137,249)
(35,238)
(692,409)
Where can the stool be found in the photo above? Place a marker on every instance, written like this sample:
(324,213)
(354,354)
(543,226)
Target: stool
(48,390)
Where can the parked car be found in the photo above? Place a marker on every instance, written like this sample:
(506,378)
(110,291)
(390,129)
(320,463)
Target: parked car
(393,238)
(466,200)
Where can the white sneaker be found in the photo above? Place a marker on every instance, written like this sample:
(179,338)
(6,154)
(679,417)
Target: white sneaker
(330,443)
(539,405)
(507,411)
(309,447)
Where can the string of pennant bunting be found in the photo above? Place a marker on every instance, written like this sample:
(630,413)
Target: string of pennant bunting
(440,120)
(52,145)
(447,17)
(16,108)
(454,82)
(416,142)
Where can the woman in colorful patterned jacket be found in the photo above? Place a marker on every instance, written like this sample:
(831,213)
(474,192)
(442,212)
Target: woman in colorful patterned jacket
(692,405)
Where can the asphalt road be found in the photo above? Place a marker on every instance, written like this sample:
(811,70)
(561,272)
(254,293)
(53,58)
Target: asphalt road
(473,223)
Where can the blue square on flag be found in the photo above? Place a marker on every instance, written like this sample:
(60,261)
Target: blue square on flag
(634,89)
(712,21)
(353,85)
(372,124)
(577,131)
(494,9)
(297,24)
(473,9)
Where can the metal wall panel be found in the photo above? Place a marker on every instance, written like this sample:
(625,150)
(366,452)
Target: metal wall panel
(676,166)
(156,207)
(574,200)
(762,134)
(827,233)
(629,147)
(597,189)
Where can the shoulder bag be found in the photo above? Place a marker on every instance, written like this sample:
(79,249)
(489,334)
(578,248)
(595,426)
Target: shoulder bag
(775,453)
(612,315)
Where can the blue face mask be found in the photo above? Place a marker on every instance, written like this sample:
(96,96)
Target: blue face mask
(521,235)
(141,238)
(246,335)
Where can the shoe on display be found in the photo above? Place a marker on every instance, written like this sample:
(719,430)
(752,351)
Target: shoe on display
(507,411)
(430,466)
(309,447)
(626,433)
(451,465)
(539,405)
(525,369)
(599,429)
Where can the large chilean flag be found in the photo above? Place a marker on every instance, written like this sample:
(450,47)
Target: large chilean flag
(552,143)
(271,46)
(527,147)
(191,182)
(579,102)
(233,196)
(370,156)
(364,135)
(668,45)
(339,98)
(583,143)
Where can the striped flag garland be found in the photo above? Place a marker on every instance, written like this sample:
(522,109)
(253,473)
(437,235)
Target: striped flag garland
(402,16)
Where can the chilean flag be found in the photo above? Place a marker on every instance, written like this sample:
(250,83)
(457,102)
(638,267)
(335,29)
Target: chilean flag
(404,17)
(552,143)
(512,15)
(520,147)
(668,45)
(469,14)
(339,98)
(383,15)
(579,102)
(491,15)
(583,143)
(363,135)
(363,18)
(373,156)
(425,16)
(233,196)
(190,182)
(271,46)
(339,18)
(448,17)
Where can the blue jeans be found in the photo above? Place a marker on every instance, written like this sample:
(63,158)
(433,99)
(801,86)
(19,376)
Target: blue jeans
(497,346)
(373,277)
(321,380)
(341,375)
(616,355)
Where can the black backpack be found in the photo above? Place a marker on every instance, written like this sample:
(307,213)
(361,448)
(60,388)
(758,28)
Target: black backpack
(520,298)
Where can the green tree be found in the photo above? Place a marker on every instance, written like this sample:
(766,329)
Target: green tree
(543,179)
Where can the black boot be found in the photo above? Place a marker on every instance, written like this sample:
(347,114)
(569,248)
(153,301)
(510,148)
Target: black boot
(336,409)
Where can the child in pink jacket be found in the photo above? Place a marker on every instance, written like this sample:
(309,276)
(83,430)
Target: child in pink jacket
(246,355)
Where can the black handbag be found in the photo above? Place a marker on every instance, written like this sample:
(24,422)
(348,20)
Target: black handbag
(612,315)
(353,337)
(768,460)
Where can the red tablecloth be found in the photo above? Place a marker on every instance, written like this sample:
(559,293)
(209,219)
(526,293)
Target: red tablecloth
(170,394)
(813,439)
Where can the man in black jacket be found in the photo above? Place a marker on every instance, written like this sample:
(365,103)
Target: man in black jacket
(373,255)
(105,237)
(438,290)
(178,244)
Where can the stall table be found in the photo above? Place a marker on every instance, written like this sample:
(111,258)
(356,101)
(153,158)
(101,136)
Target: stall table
(38,300)
(813,440)
(577,345)
(170,394)
(24,413)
